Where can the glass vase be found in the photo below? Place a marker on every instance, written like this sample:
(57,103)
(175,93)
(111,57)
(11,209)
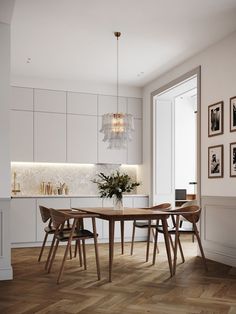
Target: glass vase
(117,203)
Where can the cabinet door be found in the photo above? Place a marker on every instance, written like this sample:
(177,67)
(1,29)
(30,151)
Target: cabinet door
(56,203)
(135,146)
(84,202)
(22,98)
(109,156)
(49,100)
(82,139)
(49,137)
(80,103)
(135,107)
(23,220)
(21,135)
(108,104)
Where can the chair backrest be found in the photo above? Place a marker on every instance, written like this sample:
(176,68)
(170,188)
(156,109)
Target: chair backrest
(194,209)
(58,218)
(189,203)
(45,213)
(163,206)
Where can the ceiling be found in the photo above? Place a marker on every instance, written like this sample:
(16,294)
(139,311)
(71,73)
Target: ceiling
(73,39)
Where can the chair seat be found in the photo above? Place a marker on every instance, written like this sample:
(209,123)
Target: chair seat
(78,234)
(172,230)
(51,230)
(144,224)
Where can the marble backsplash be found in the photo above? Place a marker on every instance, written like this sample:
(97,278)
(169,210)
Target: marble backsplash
(76,177)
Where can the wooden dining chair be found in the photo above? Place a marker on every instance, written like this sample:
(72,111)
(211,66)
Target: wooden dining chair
(49,229)
(76,233)
(149,225)
(191,214)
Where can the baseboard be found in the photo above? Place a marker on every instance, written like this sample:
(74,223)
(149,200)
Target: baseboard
(220,258)
(6,273)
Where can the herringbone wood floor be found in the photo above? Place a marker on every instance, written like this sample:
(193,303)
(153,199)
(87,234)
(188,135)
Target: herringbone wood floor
(137,287)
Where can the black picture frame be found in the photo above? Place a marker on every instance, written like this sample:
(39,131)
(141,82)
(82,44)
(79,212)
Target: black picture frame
(215,161)
(216,119)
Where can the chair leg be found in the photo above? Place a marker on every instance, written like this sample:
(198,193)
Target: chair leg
(80,253)
(153,239)
(70,253)
(200,245)
(50,252)
(148,240)
(66,251)
(53,256)
(84,254)
(43,245)
(96,248)
(132,243)
(181,250)
(76,247)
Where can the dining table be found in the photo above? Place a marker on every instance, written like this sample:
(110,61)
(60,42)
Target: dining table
(127,214)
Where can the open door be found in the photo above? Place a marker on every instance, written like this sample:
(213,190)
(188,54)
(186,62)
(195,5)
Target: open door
(163,154)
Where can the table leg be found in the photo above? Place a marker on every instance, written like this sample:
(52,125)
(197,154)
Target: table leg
(122,235)
(176,243)
(167,243)
(111,245)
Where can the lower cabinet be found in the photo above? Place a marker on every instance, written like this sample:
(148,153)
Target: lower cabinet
(27,228)
(23,220)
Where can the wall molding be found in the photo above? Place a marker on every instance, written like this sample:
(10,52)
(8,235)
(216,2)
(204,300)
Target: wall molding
(218,230)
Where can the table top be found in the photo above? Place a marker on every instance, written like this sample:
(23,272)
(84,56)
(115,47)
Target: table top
(126,213)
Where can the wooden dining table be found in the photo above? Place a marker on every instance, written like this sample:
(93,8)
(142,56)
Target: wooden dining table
(112,216)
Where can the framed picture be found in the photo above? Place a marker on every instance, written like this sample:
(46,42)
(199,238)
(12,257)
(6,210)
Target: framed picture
(232,162)
(232,108)
(215,119)
(215,161)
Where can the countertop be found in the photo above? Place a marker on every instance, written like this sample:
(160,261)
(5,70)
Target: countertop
(72,196)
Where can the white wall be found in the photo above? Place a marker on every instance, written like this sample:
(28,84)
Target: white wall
(4,110)
(5,253)
(218,65)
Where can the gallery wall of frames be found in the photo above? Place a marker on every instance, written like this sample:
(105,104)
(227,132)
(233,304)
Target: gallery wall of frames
(215,128)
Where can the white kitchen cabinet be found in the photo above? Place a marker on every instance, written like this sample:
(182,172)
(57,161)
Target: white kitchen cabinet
(81,103)
(83,202)
(56,203)
(135,107)
(82,139)
(21,135)
(49,137)
(22,98)
(106,155)
(23,220)
(108,104)
(134,156)
(49,100)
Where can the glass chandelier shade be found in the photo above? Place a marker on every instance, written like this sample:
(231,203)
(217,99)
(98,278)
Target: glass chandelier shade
(117,127)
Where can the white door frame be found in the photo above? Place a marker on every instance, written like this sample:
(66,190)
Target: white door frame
(196,71)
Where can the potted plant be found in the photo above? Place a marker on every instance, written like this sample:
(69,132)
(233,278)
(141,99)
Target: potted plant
(115,185)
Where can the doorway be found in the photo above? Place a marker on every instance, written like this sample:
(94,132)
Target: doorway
(176,140)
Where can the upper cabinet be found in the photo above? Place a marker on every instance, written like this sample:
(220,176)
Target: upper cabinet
(49,101)
(134,156)
(22,98)
(108,104)
(135,107)
(81,139)
(60,126)
(49,137)
(21,135)
(80,103)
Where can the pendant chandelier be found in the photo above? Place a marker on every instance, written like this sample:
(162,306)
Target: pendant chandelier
(117,127)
